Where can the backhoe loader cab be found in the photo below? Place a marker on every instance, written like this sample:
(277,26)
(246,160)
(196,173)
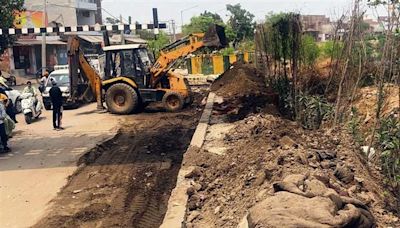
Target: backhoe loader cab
(131,61)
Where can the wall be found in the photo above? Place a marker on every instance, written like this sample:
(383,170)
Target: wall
(216,64)
(60,11)
(86,17)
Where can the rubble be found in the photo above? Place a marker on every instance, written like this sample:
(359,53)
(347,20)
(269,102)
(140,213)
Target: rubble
(265,153)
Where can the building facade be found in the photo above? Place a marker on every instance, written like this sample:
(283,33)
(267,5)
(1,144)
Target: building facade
(68,12)
(25,55)
(318,26)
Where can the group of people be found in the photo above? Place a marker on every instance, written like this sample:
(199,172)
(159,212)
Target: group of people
(8,112)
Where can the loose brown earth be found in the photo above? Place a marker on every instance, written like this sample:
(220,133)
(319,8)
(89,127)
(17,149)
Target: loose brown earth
(126,181)
(262,150)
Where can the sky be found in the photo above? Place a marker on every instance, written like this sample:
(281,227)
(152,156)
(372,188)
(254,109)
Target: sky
(141,11)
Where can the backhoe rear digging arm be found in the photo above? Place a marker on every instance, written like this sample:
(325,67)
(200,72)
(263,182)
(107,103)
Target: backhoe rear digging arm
(75,54)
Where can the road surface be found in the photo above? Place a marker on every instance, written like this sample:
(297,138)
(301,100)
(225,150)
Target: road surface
(42,159)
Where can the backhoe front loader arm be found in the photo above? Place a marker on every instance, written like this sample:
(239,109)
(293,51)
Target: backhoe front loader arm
(169,55)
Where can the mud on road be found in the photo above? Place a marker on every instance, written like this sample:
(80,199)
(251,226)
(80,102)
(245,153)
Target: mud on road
(127,181)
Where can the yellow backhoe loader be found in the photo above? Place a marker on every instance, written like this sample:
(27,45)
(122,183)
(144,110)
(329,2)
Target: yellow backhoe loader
(131,78)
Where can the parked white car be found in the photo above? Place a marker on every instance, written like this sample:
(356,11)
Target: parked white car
(15,97)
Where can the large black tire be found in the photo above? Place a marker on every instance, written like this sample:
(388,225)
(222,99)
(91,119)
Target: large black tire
(173,101)
(121,99)
(28,118)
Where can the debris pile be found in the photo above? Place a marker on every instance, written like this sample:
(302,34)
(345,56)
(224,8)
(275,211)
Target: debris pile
(272,169)
(241,80)
(243,91)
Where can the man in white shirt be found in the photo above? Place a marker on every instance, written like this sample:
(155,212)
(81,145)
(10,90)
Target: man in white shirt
(3,135)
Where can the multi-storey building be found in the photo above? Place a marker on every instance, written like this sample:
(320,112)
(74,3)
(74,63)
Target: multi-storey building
(68,12)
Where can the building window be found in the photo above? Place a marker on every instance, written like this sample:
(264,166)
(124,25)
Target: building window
(86,13)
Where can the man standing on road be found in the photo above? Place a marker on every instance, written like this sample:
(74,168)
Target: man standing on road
(56,100)
(3,134)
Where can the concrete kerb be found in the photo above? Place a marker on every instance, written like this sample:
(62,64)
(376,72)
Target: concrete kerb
(175,216)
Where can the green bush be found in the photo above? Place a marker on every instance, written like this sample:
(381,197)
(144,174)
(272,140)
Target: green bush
(332,49)
(389,142)
(309,50)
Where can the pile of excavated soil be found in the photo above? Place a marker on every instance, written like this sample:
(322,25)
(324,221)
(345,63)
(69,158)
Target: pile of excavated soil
(250,174)
(241,80)
(243,90)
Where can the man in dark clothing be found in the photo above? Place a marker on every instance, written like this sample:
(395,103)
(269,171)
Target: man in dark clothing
(56,100)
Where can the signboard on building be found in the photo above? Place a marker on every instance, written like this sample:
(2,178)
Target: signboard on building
(29,19)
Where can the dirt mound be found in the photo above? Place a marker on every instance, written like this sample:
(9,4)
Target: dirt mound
(241,80)
(261,151)
(243,91)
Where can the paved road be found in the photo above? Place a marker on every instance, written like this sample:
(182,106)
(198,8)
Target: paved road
(42,159)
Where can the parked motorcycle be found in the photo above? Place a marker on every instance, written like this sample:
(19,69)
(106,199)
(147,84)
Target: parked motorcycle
(31,107)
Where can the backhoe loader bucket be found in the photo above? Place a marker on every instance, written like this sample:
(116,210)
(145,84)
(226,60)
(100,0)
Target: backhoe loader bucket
(215,37)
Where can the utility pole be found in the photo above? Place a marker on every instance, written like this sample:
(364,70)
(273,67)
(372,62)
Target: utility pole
(122,32)
(184,11)
(173,29)
(44,37)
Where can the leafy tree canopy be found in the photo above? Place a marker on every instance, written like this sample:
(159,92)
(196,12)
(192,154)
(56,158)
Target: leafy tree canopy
(156,45)
(7,9)
(241,22)
(200,24)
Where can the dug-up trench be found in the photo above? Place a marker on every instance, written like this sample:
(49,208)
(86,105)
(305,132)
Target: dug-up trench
(257,169)
(127,181)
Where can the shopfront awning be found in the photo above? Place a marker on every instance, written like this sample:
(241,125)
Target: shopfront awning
(92,39)
(38,42)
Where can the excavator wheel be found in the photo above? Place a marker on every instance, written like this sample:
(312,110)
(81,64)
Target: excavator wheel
(121,99)
(173,101)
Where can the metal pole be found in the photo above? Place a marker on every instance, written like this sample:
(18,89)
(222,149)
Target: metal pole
(122,32)
(184,11)
(173,29)
(181,19)
(44,38)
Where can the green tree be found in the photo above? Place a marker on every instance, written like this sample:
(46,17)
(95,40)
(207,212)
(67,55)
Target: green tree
(309,50)
(200,24)
(217,18)
(7,9)
(241,22)
(156,45)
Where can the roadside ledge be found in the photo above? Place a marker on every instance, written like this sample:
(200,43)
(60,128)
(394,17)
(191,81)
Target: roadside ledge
(176,211)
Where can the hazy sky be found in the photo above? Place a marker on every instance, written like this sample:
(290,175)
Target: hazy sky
(141,11)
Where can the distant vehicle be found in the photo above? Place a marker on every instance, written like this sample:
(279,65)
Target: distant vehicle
(15,97)
(61,76)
